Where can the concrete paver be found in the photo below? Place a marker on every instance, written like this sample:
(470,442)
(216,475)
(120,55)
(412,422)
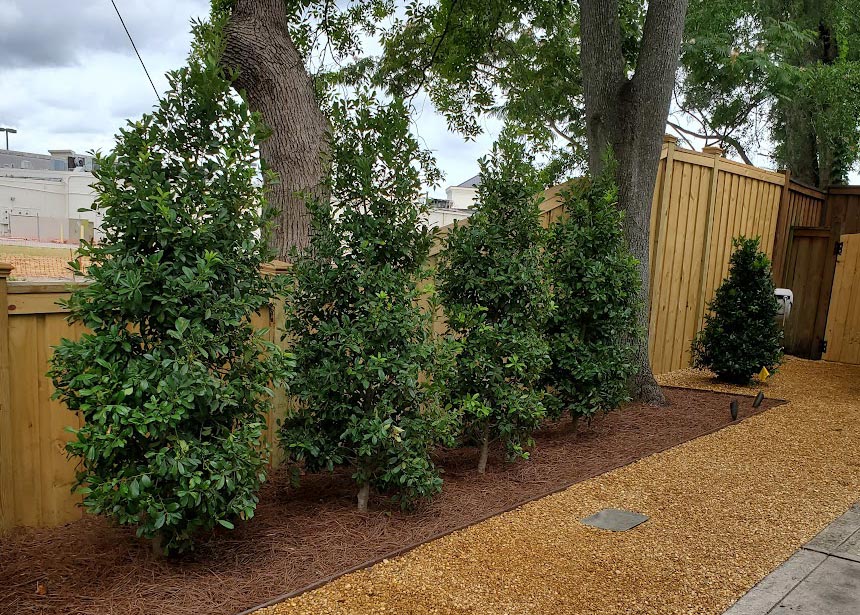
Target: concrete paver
(822,577)
(615,519)
(833,589)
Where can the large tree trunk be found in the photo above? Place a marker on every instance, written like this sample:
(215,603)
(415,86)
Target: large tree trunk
(277,85)
(812,160)
(800,147)
(628,115)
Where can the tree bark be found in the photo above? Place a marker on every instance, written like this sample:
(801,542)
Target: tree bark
(276,84)
(628,115)
(363,497)
(485,451)
(800,146)
(156,545)
(811,159)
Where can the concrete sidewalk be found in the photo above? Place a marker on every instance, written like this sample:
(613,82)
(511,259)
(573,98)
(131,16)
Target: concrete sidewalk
(823,577)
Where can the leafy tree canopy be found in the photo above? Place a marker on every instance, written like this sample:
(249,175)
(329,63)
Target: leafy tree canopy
(516,60)
(784,70)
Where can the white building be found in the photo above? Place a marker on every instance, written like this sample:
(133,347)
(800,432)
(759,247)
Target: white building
(458,205)
(40,197)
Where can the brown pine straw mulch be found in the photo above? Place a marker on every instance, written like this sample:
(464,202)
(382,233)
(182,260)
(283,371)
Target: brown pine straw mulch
(300,536)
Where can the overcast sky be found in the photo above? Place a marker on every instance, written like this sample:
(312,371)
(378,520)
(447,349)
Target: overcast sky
(69,77)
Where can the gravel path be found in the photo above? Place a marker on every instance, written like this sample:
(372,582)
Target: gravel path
(725,510)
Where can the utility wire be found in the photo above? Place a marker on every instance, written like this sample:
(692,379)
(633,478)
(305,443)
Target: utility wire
(131,40)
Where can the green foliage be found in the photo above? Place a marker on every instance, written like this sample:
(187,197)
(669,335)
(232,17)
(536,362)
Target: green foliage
(741,334)
(496,300)
(752,71)
(519,60)
(172,382)
(362,343)
(784,70)
(595,283)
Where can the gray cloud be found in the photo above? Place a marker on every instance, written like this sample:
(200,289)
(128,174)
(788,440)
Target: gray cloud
(69,78)
(51,33)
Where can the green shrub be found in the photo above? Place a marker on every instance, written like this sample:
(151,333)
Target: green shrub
(362,343)
(172,382)
(496,300)
(595,285)
(741,334)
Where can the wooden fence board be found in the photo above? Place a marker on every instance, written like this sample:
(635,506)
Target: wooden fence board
(810,250)
(801,206)
(42,477)
(843,322)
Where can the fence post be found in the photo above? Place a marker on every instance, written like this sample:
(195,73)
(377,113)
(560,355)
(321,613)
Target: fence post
(6,508)
(780,241)
(717,154)
(662,220)
(281,401)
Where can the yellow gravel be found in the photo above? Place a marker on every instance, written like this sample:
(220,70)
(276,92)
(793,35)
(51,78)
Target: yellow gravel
(725,510)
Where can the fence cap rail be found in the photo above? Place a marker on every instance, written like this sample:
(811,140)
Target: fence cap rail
(48,286)
(855,190)
(37,286)
(810,191)
(275,267)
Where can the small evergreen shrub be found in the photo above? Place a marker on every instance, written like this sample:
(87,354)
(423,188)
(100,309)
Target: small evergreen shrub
(595,288)
(496,300)
(172,382)
(362,343)
(741,334)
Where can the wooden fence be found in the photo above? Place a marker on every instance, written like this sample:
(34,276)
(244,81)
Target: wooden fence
(701,200)
(35,475)
(809,260)
(843,320)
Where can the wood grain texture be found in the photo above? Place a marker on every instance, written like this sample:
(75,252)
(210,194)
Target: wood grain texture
(6,456)
(36,477)
(843,321)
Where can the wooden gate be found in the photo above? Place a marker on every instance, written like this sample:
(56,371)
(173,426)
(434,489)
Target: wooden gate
(810,254)
(843,321)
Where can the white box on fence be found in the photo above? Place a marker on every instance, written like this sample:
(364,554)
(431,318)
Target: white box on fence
(786,299)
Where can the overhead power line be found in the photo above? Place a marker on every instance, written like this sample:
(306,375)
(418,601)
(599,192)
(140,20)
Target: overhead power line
(131,40)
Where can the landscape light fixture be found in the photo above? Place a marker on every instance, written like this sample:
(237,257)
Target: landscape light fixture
(7,131)
(734,408)
(758,399)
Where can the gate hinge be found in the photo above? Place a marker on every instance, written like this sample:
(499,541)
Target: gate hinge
(837,249)
(822,347)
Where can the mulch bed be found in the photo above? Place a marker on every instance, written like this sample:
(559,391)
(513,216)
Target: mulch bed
(300,536)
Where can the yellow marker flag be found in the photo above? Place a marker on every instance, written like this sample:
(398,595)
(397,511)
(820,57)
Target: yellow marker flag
(763,374)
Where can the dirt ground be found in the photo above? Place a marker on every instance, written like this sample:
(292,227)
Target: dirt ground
(300,536)
(725,509)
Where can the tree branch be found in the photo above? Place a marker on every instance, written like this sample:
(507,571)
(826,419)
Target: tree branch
(658,51)
(722,138)
(440,38)
(554,127)
(681,135)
